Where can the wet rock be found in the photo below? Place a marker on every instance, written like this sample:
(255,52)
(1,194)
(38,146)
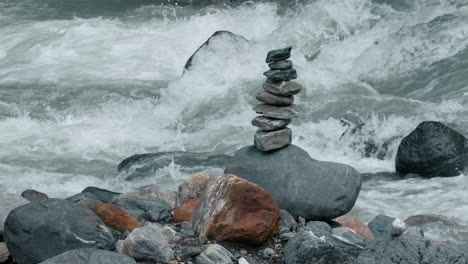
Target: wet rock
(348,235)
(283,112)
(102,195)
(270,140)
(278,55)
(355,224)
(215,254)
(273,99)
(146,165)
(147,243)
(281,65)
(9,202)
(115,217)
(38,231)
(318,227)
(152,209)
(303,186)
(282,88)
(281,75)
(269,124)
(153,190)
(90,256)
(193,187)
(34,196)
(432,150)
(385,227)
(4,253)
(233,209)
(411,250)
(238,43)
(320,247)
(85,199)
(288,221)
(438,227)
(185,212)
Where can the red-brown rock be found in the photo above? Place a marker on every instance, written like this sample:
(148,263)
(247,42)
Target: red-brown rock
(185,212)
(233,209)
(355,224)
(193,187)
(115,217)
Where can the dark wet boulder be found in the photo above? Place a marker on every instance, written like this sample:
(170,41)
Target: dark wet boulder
(145,165)
(315,190)
(409,249)
(238,44)
(41,230)
(386,227)
(90,256)
(34,196)
(432,149)
(308,247)
(102,195)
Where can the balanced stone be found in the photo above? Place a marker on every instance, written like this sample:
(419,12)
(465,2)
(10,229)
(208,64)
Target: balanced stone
(284,112)
(281,65)
(281,75)
(278,55)
(270,140)
(282,88)
(273,99)
(269,124)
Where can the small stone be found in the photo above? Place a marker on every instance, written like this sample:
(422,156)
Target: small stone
(281,75)
(186,233)
(288,221)
(34,196)
(185,212)
(215,254)
(173,262)
(357,225)
(88,256)
(243,261)
(302,221)
(273,99)
(287,236)
(318,226)
(270,140)
(269,124)
(4,254)
(278,55)
(385,227)
(399,227)
(282,88)
(115,217)
(268,253)
(281,65)
(283,112)
(243,252)
(193,251)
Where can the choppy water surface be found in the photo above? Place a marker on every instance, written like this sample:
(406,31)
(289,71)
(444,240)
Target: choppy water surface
(83,88)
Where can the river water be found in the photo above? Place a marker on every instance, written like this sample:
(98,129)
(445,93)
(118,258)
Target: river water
(85,85)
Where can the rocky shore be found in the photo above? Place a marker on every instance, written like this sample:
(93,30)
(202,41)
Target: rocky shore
(273,204)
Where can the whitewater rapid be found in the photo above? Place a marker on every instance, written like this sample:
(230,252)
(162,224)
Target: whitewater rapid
(78,94)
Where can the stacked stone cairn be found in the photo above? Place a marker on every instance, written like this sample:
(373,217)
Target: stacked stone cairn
(277,98)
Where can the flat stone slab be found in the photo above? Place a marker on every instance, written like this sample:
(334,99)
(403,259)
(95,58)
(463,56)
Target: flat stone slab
(278,55)
(270,140)
(269,124)
(282,88)
(279,112)
(281,75)
(281,65)
(273,99)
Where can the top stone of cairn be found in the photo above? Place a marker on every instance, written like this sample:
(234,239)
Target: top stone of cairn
(278,55)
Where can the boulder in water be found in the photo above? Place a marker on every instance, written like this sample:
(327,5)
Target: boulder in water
(432,149)
(38,231)
(90,256)
(315,190)
(34,196)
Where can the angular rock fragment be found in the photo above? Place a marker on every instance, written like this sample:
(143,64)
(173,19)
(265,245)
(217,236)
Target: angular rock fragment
(281,65)
(269,124)
(282,88)
(270,140)
(281,75)
(278,55)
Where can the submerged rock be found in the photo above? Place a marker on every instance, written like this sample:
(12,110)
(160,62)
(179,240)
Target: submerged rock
(315,190)
(38,231)
(34,196)
(270,124)
(152,209)
(283,112)
(432,150)
(270,140)
(90,256)
(233,209)
(115,217)
(238,41)
(146,165)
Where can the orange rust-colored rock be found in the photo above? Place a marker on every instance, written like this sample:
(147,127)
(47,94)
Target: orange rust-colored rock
(233,209)
(115,217)
(185,212)
(355,224)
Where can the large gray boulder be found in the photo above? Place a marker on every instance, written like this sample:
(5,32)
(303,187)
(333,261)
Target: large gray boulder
(41,230)
(409,249)
(315,190)
(432,150)
(90,256)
